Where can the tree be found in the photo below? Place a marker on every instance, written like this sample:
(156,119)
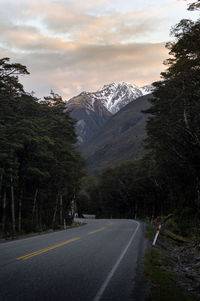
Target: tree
(39,162)
(194,6)
(9,83)
(173,128)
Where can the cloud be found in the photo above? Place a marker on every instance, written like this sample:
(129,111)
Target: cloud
(54,24)
(83,21)
(71,46)
(100,27)
(89,67)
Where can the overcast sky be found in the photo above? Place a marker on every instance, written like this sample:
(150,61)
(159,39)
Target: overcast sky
(70,46)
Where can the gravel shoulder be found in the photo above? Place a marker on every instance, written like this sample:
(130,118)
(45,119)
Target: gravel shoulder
(172,267)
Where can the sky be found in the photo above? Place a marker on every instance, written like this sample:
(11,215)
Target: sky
(70,46)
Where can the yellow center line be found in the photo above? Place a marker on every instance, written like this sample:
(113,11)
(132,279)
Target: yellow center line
(27,256)
(98,230)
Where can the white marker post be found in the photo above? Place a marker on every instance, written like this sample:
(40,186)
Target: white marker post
(156,236)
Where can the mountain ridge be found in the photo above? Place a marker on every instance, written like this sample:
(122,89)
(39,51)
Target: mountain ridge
(120,139)
(93,109)
(112,96)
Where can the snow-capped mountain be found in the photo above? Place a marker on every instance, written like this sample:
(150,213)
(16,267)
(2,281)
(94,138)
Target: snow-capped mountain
(147,89)
(113,96)
(120,139)
(116,95)
(93,109)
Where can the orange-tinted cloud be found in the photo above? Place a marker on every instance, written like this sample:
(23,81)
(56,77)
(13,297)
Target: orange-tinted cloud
(89,67)
(70,46)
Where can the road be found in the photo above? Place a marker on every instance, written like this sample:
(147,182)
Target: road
(97,261)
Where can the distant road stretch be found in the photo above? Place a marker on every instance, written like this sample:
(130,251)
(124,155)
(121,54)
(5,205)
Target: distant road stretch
(97,261)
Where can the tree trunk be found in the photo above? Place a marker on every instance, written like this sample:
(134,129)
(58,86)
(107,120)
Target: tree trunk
(20,212)
(61,209)
(198,190)
(40,217)
(1,182)
(12,204)
(34,204)
(152,215)
(55,212)
(4,213)
(37,217)
(135,210)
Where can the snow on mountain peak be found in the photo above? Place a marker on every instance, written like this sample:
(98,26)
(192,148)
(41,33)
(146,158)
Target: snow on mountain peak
(147,89)
(114,96)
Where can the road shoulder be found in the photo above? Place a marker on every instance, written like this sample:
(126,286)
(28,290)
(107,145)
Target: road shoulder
(169,273)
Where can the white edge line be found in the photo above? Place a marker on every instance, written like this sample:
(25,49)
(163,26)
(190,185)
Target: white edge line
(110,275)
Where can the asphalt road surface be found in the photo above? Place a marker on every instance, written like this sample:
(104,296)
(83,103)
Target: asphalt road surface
(97,261)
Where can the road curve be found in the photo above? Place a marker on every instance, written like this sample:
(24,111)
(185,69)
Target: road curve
(95,262)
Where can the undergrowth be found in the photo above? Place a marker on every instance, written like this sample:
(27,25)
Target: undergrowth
(162,282)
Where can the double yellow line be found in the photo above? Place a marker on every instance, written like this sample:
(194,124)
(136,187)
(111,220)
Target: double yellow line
(98,230)
(27,256)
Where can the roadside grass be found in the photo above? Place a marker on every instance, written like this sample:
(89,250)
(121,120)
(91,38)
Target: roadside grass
(150,232)
(176,237)
(162,282)
(4,238)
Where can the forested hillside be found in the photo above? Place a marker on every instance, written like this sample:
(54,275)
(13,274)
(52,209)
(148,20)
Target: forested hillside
(40,168)
(120,139)
(167,178)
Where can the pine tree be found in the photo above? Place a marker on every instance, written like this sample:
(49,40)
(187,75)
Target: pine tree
(39,162)
(173,129)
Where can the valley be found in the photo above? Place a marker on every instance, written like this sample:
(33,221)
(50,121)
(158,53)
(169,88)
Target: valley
(110,123)
(93,109)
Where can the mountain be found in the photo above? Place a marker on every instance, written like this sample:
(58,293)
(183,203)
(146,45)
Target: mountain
(120,139)
(116,95)
(148,89)
(90,114)
(93,109)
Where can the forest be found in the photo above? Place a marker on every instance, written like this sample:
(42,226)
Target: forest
(42,174)
(40,167)
(166,178)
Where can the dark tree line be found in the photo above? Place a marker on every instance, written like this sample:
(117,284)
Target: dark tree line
(194,5)
(167,178)
(40,168)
